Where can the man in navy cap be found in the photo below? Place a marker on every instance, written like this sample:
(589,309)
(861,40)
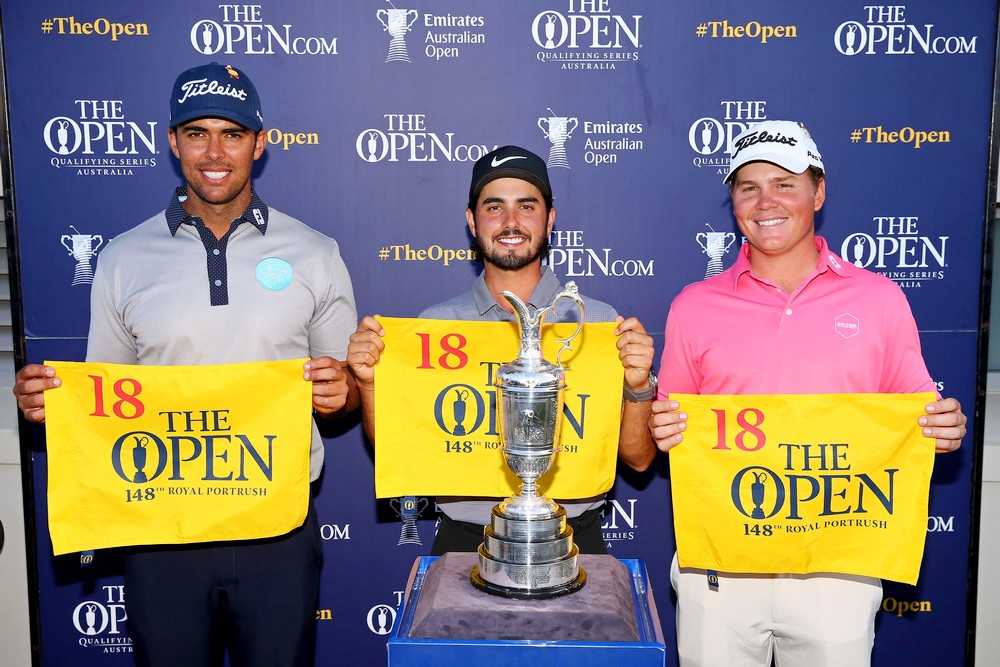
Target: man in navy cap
(219,277)
(510,216)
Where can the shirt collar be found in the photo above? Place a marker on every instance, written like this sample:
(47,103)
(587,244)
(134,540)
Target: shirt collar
(256,213)
(828,261)
(546,289)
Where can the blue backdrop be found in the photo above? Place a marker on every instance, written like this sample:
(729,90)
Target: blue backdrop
(376,111)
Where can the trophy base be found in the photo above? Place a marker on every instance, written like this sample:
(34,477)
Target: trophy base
(497,549)
(529,528)
(528,556)
(527,594)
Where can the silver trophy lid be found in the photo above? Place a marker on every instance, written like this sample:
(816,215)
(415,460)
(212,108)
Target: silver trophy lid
(530,370)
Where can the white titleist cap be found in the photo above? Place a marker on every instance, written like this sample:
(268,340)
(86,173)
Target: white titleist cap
(781,142)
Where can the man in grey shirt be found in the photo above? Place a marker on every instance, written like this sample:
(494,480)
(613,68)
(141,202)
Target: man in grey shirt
(218,277)
(510,215)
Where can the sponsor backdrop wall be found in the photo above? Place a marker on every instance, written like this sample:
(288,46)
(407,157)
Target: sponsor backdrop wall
(375,112)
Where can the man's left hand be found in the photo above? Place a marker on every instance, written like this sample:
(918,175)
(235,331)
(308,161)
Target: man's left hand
(635,350)
(331,385)
(945,423)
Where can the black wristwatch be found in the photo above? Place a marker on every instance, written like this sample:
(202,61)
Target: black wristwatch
(644,394)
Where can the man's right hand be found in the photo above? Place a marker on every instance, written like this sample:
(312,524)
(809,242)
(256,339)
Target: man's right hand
(30,383)
(364,351)
(667,424)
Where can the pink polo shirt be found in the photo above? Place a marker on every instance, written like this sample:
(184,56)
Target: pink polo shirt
(843,330)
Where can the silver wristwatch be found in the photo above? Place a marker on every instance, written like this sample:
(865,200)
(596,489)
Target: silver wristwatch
(643,394)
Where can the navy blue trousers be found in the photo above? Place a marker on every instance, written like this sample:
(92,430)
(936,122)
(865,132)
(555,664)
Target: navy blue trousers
(256,599)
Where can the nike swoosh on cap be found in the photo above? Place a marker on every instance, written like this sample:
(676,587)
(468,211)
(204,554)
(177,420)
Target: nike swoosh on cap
(497,163)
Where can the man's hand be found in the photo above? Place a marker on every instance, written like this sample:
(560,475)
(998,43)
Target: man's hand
(945,423)
(30,383)
(364,351)
(667,424)
(331,385)
(635,350)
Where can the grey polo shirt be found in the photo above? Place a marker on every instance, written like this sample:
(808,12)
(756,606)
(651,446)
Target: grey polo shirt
(167,293)
(478,305)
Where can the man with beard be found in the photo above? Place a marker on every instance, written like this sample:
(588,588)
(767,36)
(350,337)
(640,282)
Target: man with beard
(510,215)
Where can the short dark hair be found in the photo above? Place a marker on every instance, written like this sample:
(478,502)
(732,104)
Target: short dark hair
(815,175)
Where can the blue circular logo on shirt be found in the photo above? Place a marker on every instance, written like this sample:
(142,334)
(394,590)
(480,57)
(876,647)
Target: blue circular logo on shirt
(274,273)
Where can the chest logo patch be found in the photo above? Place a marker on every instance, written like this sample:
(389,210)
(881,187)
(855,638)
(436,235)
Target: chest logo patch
(274,273)
(847,325)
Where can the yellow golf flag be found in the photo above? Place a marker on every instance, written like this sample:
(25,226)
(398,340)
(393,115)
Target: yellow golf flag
(178,454)
(803,483)
(436,409)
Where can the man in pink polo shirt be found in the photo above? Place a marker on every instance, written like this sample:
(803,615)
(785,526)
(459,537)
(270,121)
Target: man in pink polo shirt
(767,325)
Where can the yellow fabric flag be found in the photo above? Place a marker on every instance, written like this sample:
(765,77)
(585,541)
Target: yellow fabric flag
(803,483)
(176,454)
(436,425)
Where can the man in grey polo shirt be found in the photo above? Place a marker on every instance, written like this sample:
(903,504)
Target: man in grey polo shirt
(219,277)
(510,215)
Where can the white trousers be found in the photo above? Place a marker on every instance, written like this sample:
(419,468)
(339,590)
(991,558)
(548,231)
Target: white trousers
(814,620)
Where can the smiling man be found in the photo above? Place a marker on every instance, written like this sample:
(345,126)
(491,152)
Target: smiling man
(218,277)
(510,216)
(765,326)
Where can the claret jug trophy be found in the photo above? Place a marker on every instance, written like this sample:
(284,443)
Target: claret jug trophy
(527,550)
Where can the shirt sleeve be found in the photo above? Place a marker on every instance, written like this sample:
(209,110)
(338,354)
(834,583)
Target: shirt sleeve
(109,340)
(336,315)
(678,371)
(905,371)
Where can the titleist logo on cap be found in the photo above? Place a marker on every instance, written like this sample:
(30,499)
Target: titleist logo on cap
(762,138)
(199,87)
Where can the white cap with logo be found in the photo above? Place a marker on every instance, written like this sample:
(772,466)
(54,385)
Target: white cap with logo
(781,142)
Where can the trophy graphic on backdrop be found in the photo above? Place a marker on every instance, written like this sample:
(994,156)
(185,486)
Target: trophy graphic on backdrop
(527,550)
(851,39)
(715,245)
(408,508)
(397,23)
(557,129)
(82,247)
(550,30)
(62,136)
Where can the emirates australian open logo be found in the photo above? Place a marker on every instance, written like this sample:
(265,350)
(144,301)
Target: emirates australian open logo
(408,509)
(83,249)
(557,129)
(397,22)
